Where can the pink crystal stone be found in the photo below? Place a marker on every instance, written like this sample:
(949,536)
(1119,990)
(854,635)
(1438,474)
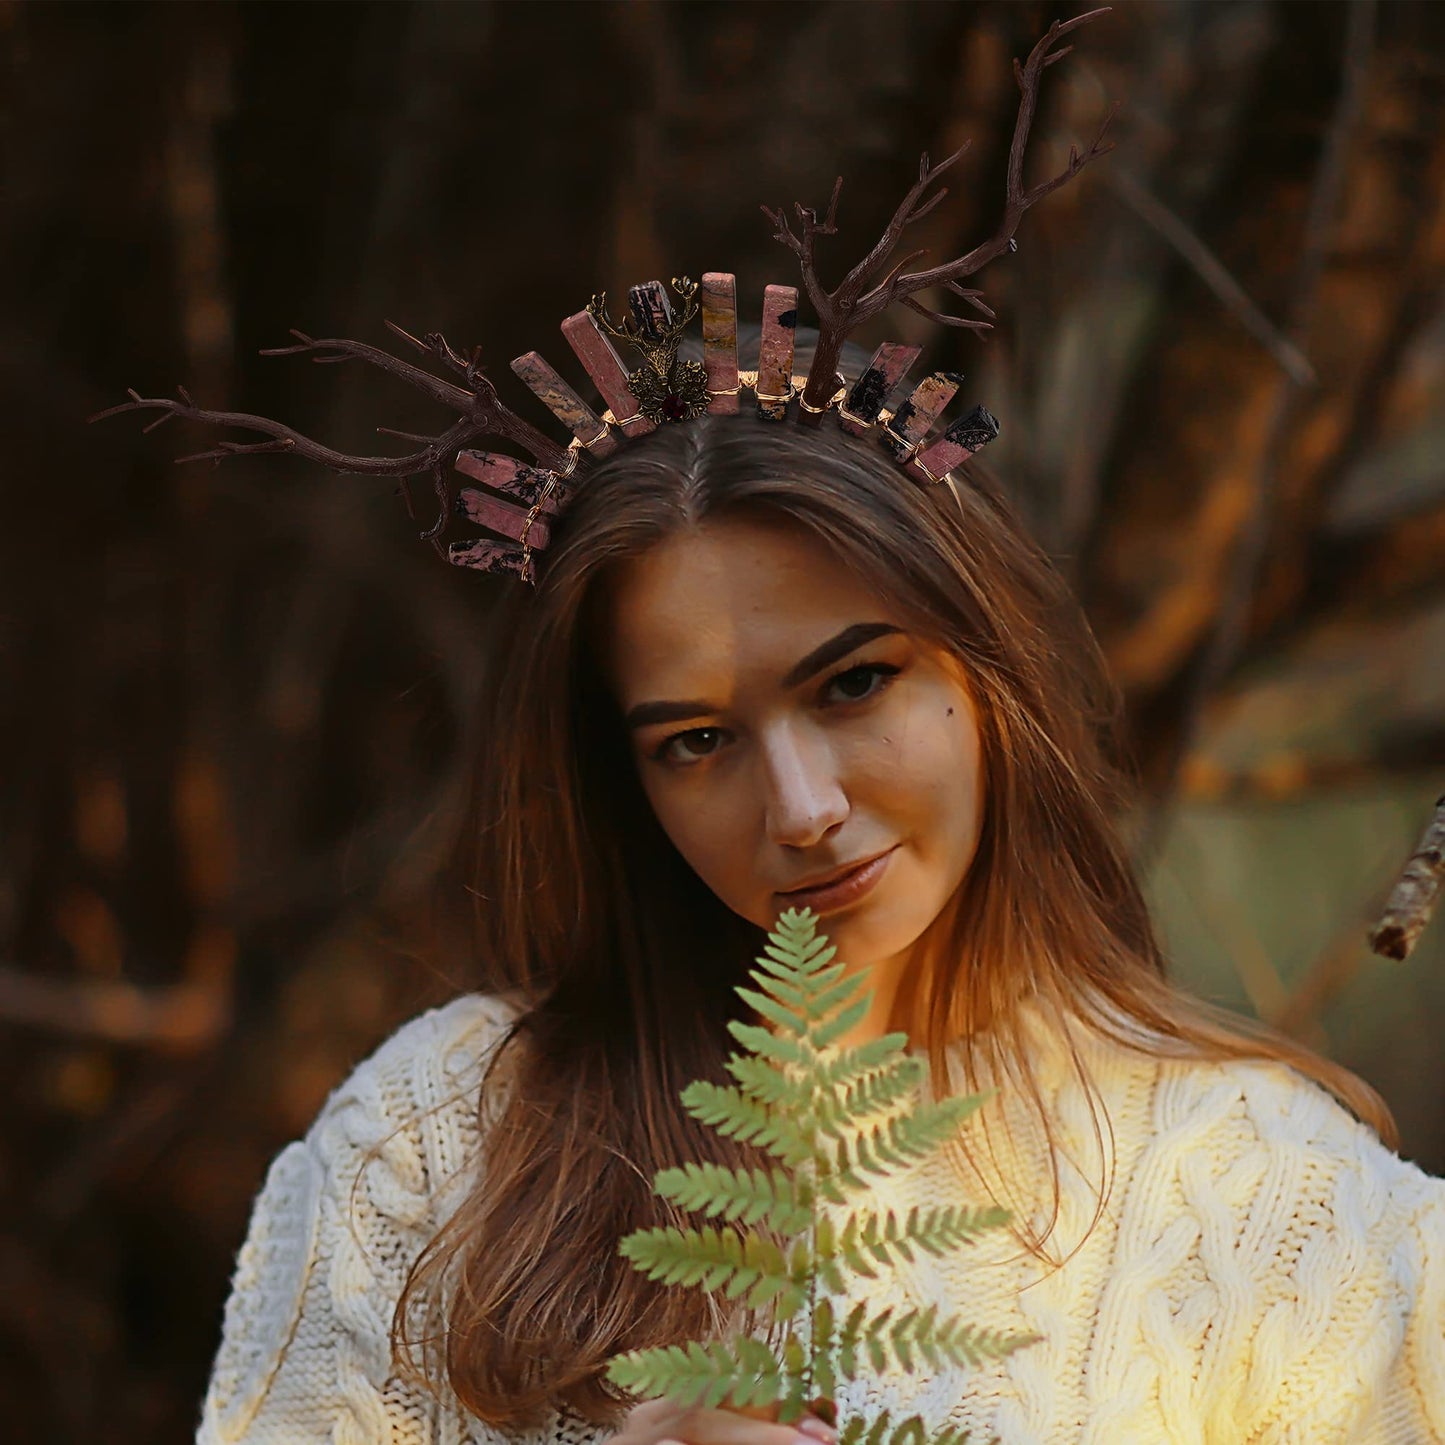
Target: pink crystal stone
(598,355)
(720,340)
(775,353)
(499,516)
(865,398)
(967,435)
(487,556)
(515,479)
(565,404)
(917,414)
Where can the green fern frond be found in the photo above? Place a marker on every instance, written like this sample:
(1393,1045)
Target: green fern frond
(850,1065)
(711,1259)
(891,1144)
(870,1240)
(841,1110)
(885,1088)
(785,1018)
(883,1341)
(759,1040)
(749,1195)
(835,1117)
(882,1431)
(949,1435)
(968,1346)
(829,1032)
(769,1085)
(739,1372)
(825,999)
(732,1113)
(793,995)
(935,1231)
(796,942)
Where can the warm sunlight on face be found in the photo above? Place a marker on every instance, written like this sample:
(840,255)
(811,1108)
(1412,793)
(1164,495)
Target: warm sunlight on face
(787,727)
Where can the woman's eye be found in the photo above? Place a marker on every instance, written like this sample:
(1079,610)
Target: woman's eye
(692,745)
(862,681)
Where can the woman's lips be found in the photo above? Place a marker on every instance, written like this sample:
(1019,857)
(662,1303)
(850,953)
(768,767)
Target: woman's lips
(829,897)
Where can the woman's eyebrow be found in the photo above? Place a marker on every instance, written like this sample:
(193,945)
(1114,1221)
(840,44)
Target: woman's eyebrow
(827,653)
(645,714)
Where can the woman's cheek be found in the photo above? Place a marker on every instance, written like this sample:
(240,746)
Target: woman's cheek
(701,828)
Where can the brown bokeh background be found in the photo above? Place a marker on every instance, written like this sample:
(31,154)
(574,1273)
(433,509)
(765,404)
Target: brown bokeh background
(234,702)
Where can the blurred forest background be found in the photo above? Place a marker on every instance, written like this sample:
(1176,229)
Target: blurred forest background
(234,702)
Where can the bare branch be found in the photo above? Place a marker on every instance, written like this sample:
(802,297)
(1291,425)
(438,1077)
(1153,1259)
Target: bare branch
(406,436)
(852,302)
(1415,894)
(481,414)
(433,386)
(286,438)
(943,318)
(898,266)
(974,299)
(1208,267)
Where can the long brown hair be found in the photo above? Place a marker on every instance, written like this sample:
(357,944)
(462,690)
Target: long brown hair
(627,963)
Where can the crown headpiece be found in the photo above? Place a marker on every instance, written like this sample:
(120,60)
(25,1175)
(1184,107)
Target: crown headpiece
(520,501)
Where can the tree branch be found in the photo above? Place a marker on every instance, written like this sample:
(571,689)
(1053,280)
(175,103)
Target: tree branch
(1415,894)
(852,302)
(482,414)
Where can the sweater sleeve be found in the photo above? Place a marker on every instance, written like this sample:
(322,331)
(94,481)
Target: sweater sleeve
(1344,1245)
(305,1353)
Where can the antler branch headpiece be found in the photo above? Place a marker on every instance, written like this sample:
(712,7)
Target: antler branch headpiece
(519,501)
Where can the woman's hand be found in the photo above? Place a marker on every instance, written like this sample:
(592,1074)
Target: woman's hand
(657,1421)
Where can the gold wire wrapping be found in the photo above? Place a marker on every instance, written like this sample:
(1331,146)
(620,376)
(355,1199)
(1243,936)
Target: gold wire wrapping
(836,400)
(529,573)
(909,450)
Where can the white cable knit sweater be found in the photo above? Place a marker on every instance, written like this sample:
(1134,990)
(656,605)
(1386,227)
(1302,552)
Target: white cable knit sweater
(1265,1273)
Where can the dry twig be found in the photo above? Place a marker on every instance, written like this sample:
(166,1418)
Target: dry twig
(859,295)
(1212,271)
(482,414)
(1230,629)
(1415,894)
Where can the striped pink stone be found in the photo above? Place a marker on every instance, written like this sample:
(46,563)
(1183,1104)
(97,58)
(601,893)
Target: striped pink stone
(912,420)
(488,556)
(865,399)
(564,403)
(775,353)
(499,516)
(967,435)
(515,479)
(600,359)
(720,339)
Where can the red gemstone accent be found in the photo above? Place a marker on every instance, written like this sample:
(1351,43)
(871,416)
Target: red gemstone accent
(674,408)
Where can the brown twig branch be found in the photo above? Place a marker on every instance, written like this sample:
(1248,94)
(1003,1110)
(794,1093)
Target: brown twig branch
(482,414)
(1415,894)
(856,298)
(1230,628)
(1212,271)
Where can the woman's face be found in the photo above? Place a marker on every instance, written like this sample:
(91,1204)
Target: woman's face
(788,726)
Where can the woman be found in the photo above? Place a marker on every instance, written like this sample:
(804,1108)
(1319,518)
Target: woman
(763,669)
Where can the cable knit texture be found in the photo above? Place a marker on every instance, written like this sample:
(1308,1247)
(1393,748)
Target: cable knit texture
(1265,1272)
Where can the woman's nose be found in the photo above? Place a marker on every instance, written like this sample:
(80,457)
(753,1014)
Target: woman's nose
(805,797)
